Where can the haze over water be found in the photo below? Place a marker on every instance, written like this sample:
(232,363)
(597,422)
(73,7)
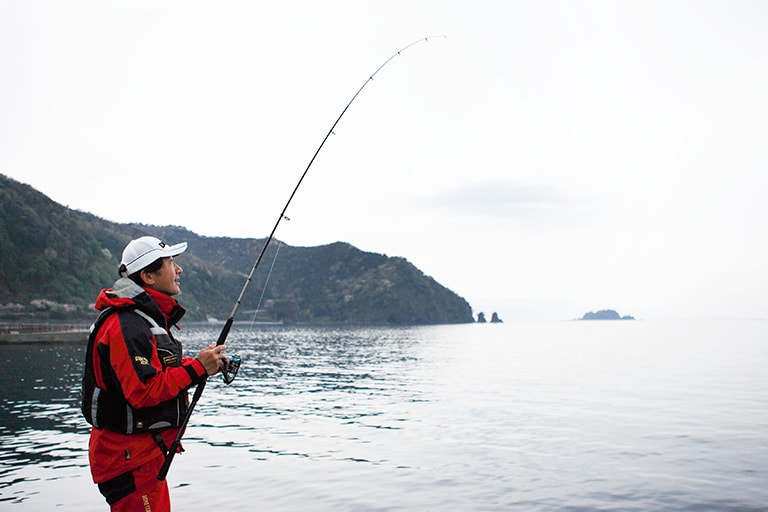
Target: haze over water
(623,416)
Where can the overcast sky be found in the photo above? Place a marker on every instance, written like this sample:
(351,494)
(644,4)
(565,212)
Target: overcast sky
(545,159)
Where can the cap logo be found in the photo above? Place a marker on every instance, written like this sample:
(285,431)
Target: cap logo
(162,244)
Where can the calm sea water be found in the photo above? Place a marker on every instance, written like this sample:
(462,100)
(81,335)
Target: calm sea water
(568,416)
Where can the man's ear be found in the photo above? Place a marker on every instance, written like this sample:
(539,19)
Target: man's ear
(147,277)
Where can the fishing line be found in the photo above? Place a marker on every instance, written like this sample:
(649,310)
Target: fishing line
(264,289)
(230,372)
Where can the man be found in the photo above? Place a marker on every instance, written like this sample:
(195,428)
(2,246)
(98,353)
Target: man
(136,377)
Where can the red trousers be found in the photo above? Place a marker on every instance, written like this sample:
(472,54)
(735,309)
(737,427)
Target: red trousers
(138,490)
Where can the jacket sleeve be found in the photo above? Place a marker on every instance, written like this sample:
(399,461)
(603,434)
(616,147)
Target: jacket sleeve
(144,382)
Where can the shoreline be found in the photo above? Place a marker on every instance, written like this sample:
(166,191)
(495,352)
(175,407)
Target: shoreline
(43,333)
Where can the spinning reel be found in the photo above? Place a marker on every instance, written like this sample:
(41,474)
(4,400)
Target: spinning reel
(230,371)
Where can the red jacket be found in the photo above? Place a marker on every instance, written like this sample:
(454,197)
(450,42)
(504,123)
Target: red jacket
(127,353)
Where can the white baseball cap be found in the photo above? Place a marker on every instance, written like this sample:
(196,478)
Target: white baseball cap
(145,250)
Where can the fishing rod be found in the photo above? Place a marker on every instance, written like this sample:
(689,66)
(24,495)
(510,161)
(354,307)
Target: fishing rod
(232,368)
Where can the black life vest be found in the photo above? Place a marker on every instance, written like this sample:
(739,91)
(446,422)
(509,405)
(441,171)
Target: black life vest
(108,408)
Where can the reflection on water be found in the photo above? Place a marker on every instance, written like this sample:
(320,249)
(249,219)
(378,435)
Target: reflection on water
(561,416)
(39,388)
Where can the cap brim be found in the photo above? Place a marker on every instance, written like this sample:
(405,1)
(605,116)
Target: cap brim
(175,250)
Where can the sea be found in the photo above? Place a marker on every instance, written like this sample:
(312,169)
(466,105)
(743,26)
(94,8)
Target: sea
(522,416)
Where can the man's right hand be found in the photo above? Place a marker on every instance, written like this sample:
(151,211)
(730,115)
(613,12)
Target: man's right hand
(212,358)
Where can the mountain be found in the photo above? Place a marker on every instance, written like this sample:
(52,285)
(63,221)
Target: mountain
(54,261)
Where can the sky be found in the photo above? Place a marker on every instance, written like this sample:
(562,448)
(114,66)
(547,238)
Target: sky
(543,159)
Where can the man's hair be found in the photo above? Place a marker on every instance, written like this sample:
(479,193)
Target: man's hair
(152,267)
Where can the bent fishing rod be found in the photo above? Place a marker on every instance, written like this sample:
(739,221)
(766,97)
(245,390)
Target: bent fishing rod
(232,368)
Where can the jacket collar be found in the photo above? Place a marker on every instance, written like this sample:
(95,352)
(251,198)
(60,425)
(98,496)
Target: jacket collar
(125,293)
(170,308)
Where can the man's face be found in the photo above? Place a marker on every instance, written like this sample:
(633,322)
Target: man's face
(166,278)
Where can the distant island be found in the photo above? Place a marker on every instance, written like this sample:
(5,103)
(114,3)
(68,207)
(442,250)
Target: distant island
(605,314)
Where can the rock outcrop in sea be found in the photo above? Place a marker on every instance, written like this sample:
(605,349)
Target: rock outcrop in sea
(605,314)
(494,318)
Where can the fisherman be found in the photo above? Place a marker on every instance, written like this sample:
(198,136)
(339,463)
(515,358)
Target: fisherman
(136,377)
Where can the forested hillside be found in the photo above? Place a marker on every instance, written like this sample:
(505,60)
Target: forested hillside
(54,260)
